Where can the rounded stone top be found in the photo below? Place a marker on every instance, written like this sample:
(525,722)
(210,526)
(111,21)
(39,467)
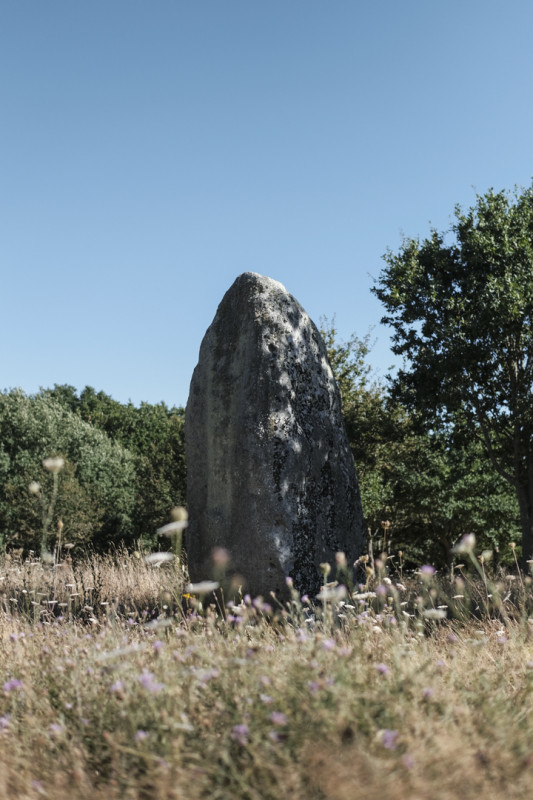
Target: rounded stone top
(263,280)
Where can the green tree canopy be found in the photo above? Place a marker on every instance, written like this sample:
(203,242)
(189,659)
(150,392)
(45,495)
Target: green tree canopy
(461,306)
(430,487)
(153,435)
(96,499)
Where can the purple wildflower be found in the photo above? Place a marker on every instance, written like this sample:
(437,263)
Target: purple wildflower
(278,718)
(208,675)
(147,681)
(382,669)
(427,569)
(12,684)
(240,733)
(388,739)
(140,736)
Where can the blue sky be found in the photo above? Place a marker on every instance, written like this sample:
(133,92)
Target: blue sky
(153,151)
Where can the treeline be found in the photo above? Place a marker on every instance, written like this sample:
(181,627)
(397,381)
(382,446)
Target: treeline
(124,468)
(422,488)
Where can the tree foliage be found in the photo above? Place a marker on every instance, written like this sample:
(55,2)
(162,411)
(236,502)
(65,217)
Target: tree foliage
(461,307)
(153,435)
(97,496)
(421,489)
(124,466)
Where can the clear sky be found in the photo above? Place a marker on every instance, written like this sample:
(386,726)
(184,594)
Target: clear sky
(152,150)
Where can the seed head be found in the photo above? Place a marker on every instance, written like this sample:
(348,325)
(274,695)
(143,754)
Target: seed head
(340,559)
(179,514)
(54,465)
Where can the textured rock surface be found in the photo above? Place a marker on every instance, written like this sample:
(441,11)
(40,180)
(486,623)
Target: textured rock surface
(270,473)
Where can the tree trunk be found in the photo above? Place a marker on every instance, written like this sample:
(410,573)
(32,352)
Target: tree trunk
(525,502)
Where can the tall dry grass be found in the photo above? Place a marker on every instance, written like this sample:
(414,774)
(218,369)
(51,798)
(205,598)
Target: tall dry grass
(115,686)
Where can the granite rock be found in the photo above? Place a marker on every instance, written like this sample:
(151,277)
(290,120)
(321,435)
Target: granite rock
(270,473)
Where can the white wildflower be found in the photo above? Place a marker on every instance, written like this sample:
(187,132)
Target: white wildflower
(434,613)
(156,559)
(54,464)
(203,587)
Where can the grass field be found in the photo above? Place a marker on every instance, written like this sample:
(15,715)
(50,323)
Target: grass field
(115,686)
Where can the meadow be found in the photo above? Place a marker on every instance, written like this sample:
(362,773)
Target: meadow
(120,681)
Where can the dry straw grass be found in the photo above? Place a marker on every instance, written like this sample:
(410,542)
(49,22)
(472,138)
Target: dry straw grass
(113,686)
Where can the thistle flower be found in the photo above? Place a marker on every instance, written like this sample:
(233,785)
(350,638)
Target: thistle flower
(13,684)
(388,739)
(55,730)
(148,682)
(240,734)
(4,722)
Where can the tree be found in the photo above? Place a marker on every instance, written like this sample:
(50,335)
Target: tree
(440,490)
(462,314)
(96,499)
(153,435)
(363,399)
(428,485)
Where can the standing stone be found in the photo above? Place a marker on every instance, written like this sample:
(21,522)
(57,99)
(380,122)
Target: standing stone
(270,473)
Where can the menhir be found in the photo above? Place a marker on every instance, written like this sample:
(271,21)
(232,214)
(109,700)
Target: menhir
(270,473)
